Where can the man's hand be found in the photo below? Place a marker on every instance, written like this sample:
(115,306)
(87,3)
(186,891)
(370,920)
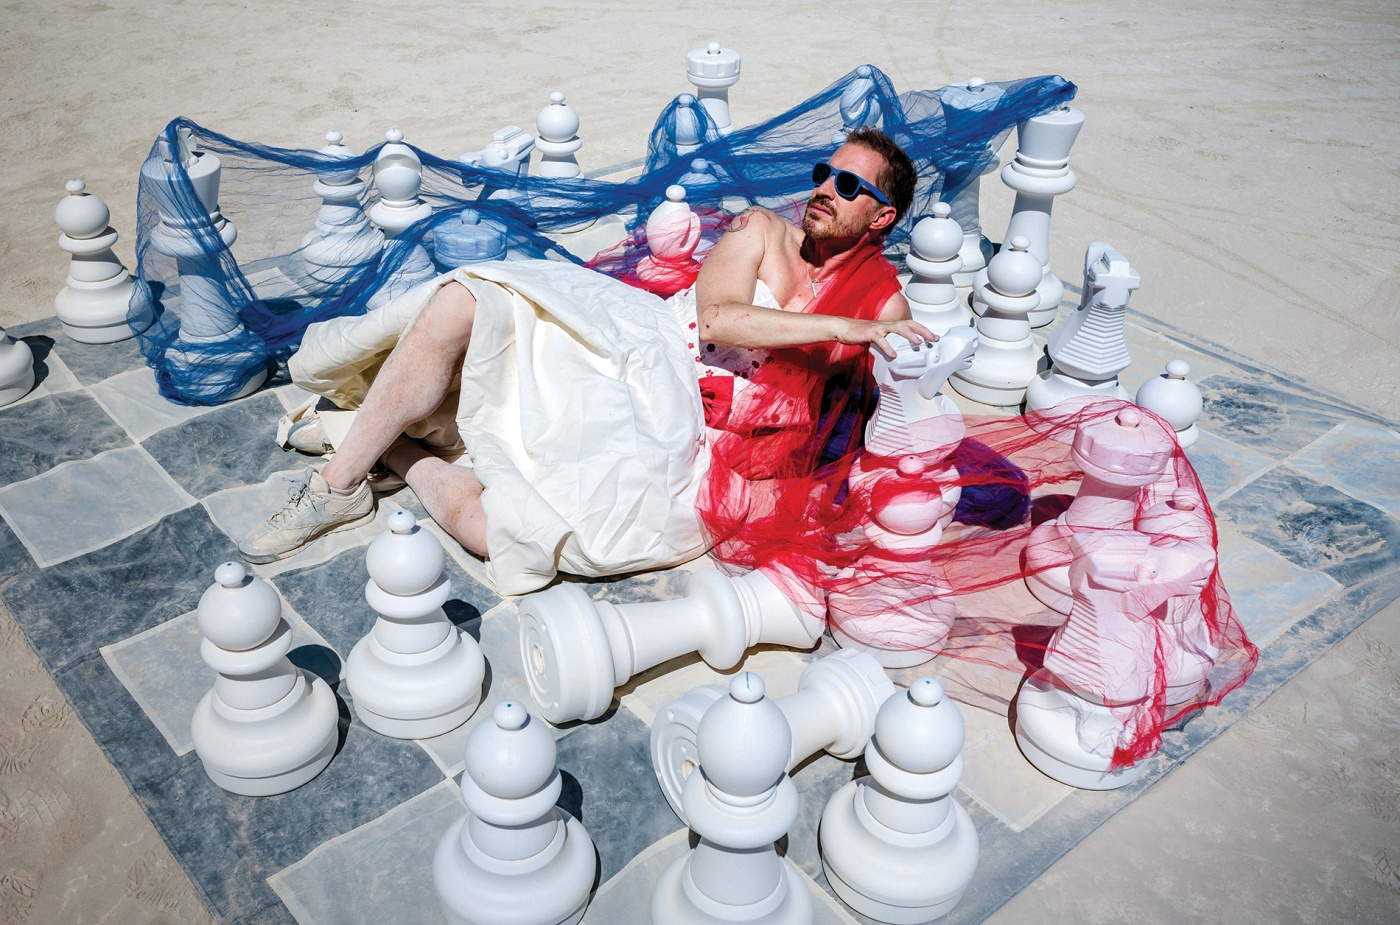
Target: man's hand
(856,333)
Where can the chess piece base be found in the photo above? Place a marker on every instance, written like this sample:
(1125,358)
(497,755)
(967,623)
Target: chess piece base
(282,747)
(415,696)
(678,901)
(1046,734)
(887,657)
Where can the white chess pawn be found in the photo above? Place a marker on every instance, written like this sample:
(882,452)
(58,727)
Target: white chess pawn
(859,108)
(1176,400)
(1007,357)
(740,802)
(933,259)
(398,176)
(205,360)
(576,650)
(686,133)
(343,241)
(16,369)
(673,234)
(898,608)
(266,726)
(558,143)
(1039,173)
(1120,456)
(515,858)
(95,307)
(1088,350)
(832,711)
(962,102)
(713,70)
(415,675)
(895,845)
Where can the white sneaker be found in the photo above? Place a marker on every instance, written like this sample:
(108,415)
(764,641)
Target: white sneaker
(311,511)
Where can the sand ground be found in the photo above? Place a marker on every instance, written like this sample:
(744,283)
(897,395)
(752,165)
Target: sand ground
(1242,155)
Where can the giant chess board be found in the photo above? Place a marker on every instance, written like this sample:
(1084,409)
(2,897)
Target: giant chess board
(117,506)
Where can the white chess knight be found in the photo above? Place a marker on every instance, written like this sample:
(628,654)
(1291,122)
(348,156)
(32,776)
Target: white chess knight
(934,261)
(739,802)
(1101,667)
(895,845)
(859,108)
(900,616)
(515,858)
(833,710)
(398,177)
(96,306)
(16,369)
(343,241)
(198,237)
(1120,456)
(415,675)
(576,650)
(509,152)
(713,70)
(266,726)
(673,234)
(1088,350)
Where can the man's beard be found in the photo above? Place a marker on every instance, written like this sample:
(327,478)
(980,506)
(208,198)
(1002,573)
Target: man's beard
(836,227)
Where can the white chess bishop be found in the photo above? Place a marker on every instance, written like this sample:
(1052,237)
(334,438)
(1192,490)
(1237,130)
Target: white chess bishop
(266,726)
(895,845)
(515,858)
(740,802)
(415,675)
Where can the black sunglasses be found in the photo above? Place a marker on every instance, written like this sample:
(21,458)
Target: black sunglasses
(848,185)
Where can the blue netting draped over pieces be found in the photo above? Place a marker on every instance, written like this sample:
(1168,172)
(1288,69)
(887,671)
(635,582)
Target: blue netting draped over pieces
(241,246)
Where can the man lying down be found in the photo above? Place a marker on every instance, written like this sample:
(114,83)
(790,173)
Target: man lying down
(573,401)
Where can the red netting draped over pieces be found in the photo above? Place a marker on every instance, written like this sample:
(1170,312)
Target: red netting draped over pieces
(963,538)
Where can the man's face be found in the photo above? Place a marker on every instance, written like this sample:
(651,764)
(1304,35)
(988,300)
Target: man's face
(828,217)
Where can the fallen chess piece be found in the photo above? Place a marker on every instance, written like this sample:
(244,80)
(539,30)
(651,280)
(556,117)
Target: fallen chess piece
(895,845)
(515,858)
(266,726)
(415,675)
(832,711)
(576,650)
(740,802)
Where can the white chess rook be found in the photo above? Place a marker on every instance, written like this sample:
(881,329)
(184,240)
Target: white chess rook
(1176,400)
(1120,456)
(198,237)
(1088,350)
(95,307)
(1007,358)
(343,241)
(576,650)
(265,727)
(398,176)
(415,675)
(16,369)
(1039,173)
(466,239)
(515,858)
(933,261)
(833,711)
(713,70)
(895,845)
(740,802)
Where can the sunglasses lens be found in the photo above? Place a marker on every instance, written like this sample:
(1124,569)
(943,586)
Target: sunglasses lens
(820,171)
(847,185)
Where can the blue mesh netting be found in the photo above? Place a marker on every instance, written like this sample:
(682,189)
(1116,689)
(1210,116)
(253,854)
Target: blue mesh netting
(226,312)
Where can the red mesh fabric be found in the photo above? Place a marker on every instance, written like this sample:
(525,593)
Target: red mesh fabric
(1151,634)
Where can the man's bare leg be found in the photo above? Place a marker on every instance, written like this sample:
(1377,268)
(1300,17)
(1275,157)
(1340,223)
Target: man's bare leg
(410,385)
(450,494)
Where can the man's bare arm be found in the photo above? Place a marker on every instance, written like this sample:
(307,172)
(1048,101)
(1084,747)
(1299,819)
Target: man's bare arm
(726,315)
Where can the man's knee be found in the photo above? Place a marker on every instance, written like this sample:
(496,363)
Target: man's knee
(448,316)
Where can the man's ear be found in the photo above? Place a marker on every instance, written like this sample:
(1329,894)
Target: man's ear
(883,219)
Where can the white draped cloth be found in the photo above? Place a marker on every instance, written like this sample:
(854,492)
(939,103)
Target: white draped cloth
(578,409)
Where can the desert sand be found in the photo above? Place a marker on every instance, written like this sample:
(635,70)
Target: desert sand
(1242,155)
